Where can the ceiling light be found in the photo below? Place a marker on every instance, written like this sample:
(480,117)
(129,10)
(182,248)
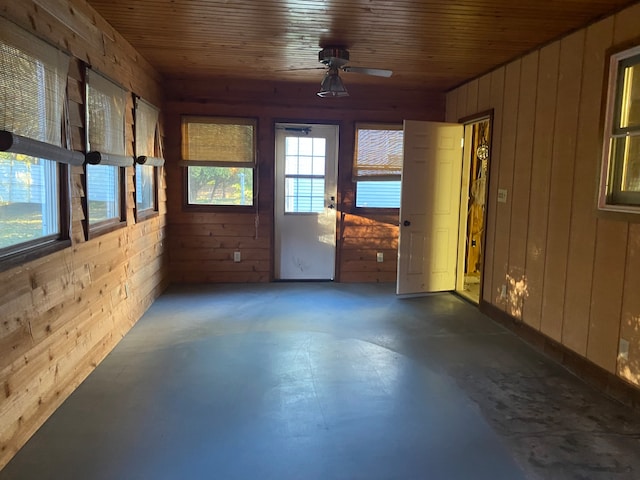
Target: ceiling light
(332,86)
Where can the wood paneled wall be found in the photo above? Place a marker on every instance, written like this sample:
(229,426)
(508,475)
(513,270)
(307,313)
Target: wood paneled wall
(202,243)
(571,272)
(63,313)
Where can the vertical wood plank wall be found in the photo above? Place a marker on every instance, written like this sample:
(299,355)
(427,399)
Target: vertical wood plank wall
(201,244)
(62,314)
(571,272)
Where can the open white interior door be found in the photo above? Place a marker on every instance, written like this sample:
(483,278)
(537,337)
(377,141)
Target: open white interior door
(430,204)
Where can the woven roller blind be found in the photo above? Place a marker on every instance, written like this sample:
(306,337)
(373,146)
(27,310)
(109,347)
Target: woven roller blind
(146,128)
(105,109)
(378,152)
(33,80)
(217,141)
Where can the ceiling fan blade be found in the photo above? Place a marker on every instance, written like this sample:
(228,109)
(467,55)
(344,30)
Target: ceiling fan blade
(378,72)
(299,69)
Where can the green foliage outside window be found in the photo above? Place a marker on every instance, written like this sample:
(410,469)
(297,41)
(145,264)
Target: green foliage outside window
(220,185)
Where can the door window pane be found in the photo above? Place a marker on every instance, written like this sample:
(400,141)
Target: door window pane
(304,195)
(304,174)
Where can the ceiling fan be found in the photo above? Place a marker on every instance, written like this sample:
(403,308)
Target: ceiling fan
(336,59)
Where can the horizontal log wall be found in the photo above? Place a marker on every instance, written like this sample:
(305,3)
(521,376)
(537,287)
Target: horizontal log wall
(63,313)
(571,272)
(202,243)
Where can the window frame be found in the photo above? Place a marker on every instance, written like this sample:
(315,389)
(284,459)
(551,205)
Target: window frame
(611,198)
(110,224)
(42,53)
(154,211)
(145,159)
(117,159)
(24,252)
(186,163)
(371,210)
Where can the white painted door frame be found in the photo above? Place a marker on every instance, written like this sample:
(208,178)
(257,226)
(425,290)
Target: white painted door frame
(305,218)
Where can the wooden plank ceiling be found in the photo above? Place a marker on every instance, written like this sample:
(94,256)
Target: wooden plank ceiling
(429,44)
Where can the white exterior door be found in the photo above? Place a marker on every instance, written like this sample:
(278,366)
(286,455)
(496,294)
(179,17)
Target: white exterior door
(305,201)
(430,204)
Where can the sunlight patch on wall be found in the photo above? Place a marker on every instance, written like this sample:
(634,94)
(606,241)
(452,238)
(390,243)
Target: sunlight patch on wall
(629,352)
(512,295)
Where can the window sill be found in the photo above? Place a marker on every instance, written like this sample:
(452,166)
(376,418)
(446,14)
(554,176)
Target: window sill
(190,207)
(143,215)
(105,227)
(621,213)
(369,211)
(28,254)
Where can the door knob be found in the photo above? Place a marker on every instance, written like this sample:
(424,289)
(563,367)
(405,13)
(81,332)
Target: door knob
(406,223)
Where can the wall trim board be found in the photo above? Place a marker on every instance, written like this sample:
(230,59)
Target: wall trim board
(592,374)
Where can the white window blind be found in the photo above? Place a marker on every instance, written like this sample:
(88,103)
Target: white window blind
(33,79)
(105,117)
(147,134)
(378,152)
(218,141)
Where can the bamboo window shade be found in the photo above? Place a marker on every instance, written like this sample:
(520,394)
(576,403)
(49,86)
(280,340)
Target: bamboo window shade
(218,141)
(105,115)
(147,134)
(33,81)
(378,152)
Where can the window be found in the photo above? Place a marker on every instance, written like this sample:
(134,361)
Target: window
(147,162)
(219,156)
(29,199)
(106,153)
(377,165)
(304,174)
(33,199)
(620,182)
(145,189)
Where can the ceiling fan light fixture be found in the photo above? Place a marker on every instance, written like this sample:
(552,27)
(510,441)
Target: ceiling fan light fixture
(332,86)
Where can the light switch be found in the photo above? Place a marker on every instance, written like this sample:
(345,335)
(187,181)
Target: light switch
(502,195)
(380,257)
(236,257)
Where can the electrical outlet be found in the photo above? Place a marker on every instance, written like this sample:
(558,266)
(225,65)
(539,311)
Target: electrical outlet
(236,257)
(502,195)
(380,257)
(623,350)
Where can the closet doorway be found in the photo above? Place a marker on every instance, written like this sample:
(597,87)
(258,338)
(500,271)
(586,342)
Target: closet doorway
(475,182)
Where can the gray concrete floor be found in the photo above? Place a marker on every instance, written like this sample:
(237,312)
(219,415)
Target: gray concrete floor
(328,381)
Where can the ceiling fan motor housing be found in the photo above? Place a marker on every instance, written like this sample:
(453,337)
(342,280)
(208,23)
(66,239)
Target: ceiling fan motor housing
(334,56)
